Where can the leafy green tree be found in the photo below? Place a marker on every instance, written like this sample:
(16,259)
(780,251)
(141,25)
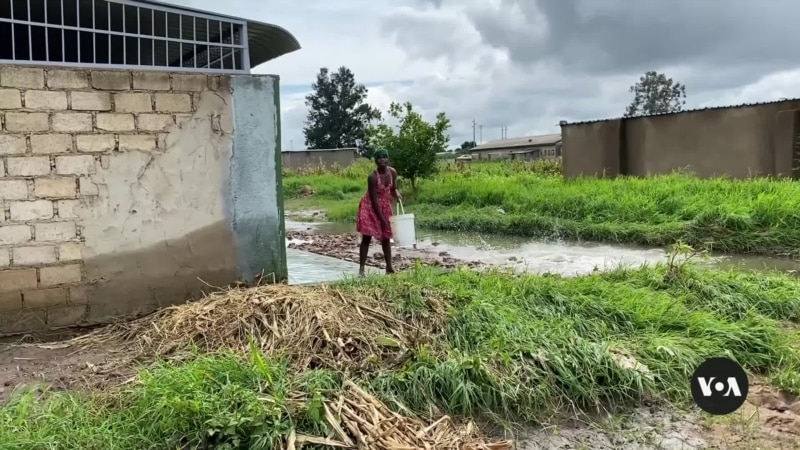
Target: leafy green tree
(656,94)
(338,115)
(415,143)
(467,145)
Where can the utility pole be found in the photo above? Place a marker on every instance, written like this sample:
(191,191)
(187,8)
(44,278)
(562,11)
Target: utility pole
(480,127)
(473,130)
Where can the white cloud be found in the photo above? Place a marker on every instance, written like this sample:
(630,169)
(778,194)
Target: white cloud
(523,65)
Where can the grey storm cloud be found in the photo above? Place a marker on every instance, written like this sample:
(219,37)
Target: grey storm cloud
(621,36)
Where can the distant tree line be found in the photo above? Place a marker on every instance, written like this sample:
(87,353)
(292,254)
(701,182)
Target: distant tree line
(339,116)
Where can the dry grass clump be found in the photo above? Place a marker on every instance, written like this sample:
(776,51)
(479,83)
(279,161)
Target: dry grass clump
(316,327)
(359,420)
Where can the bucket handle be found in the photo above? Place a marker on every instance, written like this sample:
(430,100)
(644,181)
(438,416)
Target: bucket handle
(400,207)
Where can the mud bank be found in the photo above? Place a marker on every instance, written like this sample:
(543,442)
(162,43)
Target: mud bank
(768,420)
(346,247)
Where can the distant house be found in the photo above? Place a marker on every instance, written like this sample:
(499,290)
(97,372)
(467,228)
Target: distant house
(524,148)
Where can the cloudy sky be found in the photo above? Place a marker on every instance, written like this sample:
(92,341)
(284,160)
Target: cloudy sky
(526,64)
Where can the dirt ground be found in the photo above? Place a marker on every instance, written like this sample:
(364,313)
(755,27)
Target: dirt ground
(769,419)
(346,247)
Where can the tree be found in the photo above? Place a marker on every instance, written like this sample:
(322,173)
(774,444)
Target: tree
(656,94)
(467,145)
(337,113)
(413,147)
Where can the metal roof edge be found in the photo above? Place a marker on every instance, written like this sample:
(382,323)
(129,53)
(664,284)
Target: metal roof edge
(709,108)
(268,41)
(260,51)
(492,145)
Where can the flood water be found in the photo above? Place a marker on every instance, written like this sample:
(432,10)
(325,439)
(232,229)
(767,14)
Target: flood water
(308,268)
(523,254)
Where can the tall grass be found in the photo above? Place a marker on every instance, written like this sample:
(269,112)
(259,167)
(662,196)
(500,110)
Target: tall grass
(756,215)
(216,401)
(518,347)
(526,344)
(530,199)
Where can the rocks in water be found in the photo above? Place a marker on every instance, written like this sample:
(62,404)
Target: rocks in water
(346,247)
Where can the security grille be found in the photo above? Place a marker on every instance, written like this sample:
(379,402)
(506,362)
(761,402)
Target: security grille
(120,34)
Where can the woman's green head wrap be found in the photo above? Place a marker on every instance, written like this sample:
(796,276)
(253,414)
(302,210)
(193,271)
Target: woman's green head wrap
(380,153)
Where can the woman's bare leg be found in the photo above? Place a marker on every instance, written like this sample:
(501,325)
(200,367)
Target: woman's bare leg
(387,254)
(362,254)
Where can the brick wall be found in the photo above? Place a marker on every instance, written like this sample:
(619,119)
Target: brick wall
(59,127)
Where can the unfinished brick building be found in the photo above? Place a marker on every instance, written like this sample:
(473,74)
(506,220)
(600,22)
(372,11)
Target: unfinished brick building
(139,159)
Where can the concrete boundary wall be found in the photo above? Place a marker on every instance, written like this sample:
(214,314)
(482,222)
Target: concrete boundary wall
(122,192)
(753,140)
(327,158)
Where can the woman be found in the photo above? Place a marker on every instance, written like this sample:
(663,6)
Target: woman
(375,210)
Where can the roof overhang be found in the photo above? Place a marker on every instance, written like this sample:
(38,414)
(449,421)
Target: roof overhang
(265,41)
(522,152)
(268,42)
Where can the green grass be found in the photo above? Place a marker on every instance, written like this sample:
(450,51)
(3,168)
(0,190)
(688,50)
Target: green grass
(511,347)
(215,401)
(525,199)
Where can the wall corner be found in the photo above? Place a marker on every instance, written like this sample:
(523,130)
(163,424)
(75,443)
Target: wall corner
(256,187)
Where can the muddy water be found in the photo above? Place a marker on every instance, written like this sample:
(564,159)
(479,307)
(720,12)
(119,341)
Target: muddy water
(558,257)
(309,268)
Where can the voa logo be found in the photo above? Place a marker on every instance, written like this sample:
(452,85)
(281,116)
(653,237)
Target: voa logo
(730,386)
(719,386)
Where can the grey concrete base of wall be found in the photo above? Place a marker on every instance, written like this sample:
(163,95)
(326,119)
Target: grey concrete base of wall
(146,192)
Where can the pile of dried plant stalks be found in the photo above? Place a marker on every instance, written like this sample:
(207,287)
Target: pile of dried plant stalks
(311,326)
(359,420)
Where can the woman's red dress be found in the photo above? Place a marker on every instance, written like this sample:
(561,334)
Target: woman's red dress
(367,223)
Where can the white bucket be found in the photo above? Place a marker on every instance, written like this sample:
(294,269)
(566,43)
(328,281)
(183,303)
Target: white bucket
(403,227)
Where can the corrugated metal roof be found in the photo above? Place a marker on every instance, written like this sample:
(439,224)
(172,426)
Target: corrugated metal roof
(526,141)
(710,108)
(266,41)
